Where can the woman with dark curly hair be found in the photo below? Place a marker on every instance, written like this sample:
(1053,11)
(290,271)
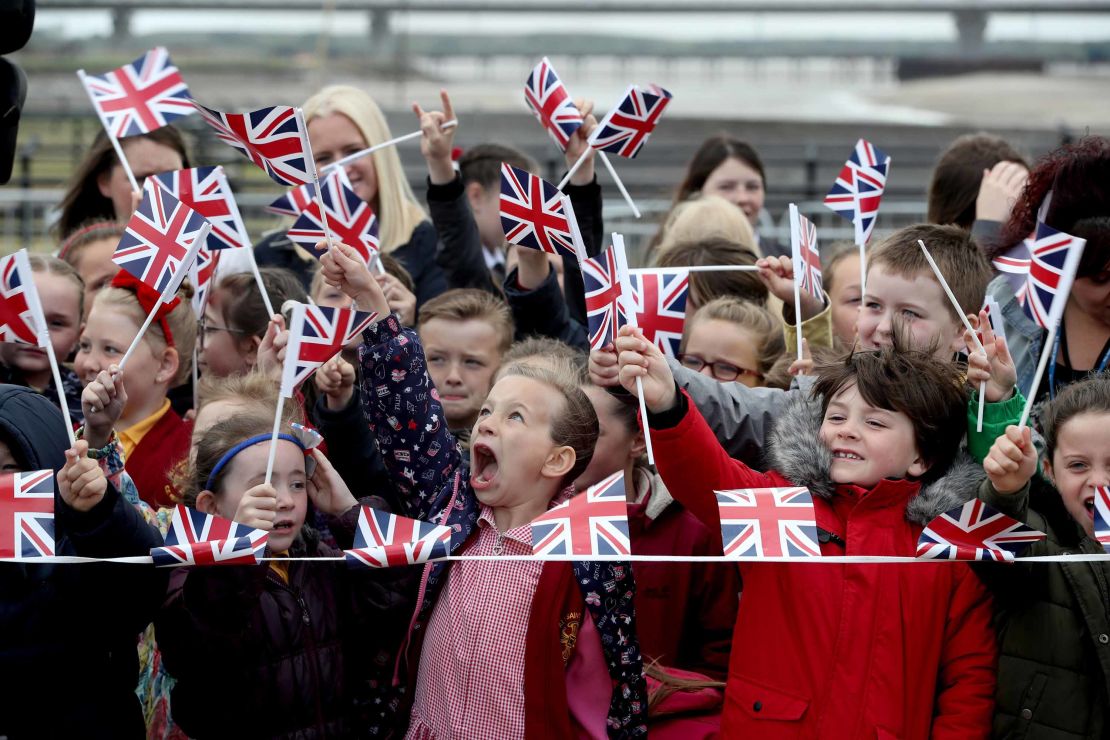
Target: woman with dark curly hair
(1075,182)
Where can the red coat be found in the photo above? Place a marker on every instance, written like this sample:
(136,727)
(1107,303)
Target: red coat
(685,612)
(844,650)
(150,463)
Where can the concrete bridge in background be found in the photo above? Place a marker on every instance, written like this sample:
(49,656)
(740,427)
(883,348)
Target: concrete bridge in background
(970,16)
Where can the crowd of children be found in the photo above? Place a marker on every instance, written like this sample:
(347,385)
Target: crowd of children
(475,402)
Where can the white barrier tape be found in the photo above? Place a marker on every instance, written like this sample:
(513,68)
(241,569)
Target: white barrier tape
(825,559)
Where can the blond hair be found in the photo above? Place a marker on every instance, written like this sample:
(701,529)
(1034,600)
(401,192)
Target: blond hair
(181,321)
(251,389)
(769,342)
(398,210)
(703,216)
(61,268)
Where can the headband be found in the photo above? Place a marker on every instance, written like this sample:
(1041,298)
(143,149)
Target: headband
(148,299)
(109,227)
(302,436)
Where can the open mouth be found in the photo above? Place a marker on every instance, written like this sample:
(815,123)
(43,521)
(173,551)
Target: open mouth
(483,466)
(285,525)
(845,455)
(1089,505)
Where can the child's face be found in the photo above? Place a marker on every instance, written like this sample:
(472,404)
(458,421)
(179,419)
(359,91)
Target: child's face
(733,346)
(512,453)
(107,335)
(486,207)
(868,444)
(62,308)
(248,470)
(845,298)
(920,303)
(462,358)
(221,352)
(616,443)
(94,265)
(1080,462)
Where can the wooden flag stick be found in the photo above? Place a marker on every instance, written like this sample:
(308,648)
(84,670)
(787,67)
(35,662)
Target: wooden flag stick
(620,185)
(392,142)
(967,324)
(111,137)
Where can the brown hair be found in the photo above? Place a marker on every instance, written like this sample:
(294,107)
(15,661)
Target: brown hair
(959,173)
(832,254)
(576,427)
(181,321)
(959,259)
(705,286)
(548,350)
(55,266)
(770,344)
(1091,395)
(928,391)
(83,200)
(482,164)
(253,388)
(69,251)
(190,478)
(241,303)
(465,304)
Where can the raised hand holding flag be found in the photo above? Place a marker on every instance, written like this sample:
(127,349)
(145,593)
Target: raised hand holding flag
(807,265)
(629,303)
(659,300)
(349,217)
(536,215)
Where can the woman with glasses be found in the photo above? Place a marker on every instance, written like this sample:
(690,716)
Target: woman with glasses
(732,341)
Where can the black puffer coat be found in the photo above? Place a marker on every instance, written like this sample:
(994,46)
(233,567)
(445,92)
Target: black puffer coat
(256,657)
(68,633)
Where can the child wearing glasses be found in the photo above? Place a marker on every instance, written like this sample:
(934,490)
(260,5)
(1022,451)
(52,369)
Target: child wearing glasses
(732,341)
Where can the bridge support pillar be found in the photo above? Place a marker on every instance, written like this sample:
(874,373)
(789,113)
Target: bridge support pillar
(971,26)
(382,41)
(121,23)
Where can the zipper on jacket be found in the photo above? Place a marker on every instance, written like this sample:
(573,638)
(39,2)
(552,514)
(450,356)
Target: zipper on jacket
(499,545)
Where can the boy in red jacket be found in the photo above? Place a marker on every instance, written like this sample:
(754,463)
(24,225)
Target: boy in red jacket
(845,650)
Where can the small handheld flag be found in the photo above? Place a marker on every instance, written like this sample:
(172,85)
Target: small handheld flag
(856,194)
(807,265)
(659,301)
(604,308)
(384,540)
(535,214)
(628,304)
(594,522)
(273,138)
(349,217)
(1102,517)
(196,538)
(625,129)
(551,103)
(293,202)
(139,97)
(27,515)
(975,531)
(206,191)
(316,334)
(768,522)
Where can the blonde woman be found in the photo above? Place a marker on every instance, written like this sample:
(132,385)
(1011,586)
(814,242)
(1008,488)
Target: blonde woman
(343,120)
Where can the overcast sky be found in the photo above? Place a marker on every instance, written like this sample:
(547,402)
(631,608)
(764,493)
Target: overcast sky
(732,26)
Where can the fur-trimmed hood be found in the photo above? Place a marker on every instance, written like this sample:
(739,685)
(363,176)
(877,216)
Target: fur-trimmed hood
(795,450)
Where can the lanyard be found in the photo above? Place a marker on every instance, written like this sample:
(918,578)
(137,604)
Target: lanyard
(1056,357)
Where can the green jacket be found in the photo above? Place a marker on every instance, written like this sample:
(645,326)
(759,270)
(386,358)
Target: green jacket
(1053,623)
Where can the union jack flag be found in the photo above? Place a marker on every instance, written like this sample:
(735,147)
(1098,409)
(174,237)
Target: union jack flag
(27,515)
(1102,517)
(350,219)
(17,318)
(626,128)
(807,260)
(534,214)
(316,334)
(549,100)
(1053,258)
(768,523)
(196,538)
(384,540)
(859,187)
(206,191)
(294,201)
(604,310)
(594,522)
(156,244)
(272,138)
(201,274)
(139,97)
(975,531)
(659,300)
(1014,265)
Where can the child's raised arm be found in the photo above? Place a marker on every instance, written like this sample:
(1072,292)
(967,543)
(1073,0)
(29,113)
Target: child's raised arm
(343,268)
(81,482)
(436,143)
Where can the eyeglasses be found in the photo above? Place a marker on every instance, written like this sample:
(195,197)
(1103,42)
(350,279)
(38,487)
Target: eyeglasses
(725,372)
(204,329)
